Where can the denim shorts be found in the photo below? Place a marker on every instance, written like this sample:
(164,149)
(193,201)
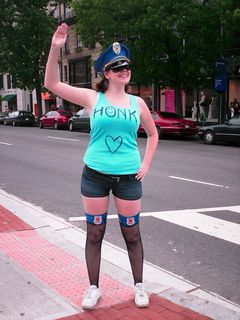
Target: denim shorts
(95,184)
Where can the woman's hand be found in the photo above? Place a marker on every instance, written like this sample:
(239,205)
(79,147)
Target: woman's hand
(142,172)
(60,36)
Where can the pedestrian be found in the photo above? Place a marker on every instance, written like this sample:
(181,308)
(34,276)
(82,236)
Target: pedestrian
(210,107)
(236,106)
(202,106)
(112,159)
(230,111)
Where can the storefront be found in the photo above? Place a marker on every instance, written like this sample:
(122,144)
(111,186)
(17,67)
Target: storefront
(48,102)
(9,102)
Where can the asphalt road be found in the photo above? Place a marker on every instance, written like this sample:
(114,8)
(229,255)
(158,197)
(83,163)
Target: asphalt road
(44,167)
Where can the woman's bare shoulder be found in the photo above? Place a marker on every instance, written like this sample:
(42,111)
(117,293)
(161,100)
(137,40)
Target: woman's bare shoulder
(142,105)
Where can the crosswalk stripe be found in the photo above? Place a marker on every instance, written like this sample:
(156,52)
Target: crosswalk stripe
(194,220)
(215,227)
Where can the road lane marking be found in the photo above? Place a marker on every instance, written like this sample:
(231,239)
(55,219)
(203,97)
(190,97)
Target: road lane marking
(58,138)
(75,219)
(201,182)
(194,220)
(6,144)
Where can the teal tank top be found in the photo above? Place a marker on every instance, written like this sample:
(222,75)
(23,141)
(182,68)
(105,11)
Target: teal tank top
(113,146)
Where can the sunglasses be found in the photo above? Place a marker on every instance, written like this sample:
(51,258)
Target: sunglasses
(120,68)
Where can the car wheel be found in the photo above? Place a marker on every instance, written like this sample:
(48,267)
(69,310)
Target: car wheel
(209,137)
(71,126)
(40,125)
(55,126)
(159,131)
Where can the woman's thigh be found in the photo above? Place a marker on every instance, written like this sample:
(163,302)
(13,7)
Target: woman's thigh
(127,207)
(97,205)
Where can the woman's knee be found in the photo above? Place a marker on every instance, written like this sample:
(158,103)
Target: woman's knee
(131,234)
(95,233)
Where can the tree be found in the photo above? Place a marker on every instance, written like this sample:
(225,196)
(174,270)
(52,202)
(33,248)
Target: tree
(26,30)
(174,43)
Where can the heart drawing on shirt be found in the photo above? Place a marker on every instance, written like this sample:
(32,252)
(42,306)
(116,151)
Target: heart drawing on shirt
(113,144)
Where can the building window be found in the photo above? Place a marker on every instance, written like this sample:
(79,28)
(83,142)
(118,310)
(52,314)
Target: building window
(66,47)
(68,12)
(65,74)
(80,72)
(9,86)
(79,44)
(1,81)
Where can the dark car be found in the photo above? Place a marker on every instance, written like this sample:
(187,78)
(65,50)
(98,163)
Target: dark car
(80,121)
(18,118)
(169,123)
(2,116)
(227,132)
(56,119)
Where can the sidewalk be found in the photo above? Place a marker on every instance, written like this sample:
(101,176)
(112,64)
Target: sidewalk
(43,276)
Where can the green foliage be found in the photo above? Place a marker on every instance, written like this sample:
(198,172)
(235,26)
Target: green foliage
(190,33)
(25,35)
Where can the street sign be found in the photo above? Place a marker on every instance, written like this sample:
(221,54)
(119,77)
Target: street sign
(220,80)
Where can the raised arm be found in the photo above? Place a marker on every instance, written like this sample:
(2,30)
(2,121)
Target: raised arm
(80,96)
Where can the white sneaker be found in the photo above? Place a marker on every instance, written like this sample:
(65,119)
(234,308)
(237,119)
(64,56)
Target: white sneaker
(141,298)
(91,297)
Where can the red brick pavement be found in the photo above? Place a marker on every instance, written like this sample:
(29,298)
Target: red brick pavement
(10,240)
(9,222)
(159,309)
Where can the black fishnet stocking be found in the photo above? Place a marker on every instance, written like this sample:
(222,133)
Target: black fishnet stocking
(95,234)
(134,245)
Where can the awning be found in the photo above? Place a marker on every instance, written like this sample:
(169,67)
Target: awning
(8,97)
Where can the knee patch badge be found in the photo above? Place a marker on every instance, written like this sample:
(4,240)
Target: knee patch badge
(129,221)
(96,219)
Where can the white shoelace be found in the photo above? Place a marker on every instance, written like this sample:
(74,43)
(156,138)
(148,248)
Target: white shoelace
(89,292)
(141,292)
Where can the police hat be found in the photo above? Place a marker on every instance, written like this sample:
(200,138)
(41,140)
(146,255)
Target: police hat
(114,56)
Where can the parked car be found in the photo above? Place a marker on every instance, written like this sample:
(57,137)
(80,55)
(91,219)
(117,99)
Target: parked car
(169,123)
(80,121)
(56,119)
(227,132)
(2,116)
(18,118)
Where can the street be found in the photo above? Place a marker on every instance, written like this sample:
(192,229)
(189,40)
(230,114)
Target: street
(201,245)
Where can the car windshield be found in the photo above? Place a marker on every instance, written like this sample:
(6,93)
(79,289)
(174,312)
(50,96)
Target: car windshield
(25,113)
(82,112)
(14,114)
(66,113)
(170,115)
(235,121)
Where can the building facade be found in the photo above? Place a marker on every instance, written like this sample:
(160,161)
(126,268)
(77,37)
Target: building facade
(76,67)
(13,98)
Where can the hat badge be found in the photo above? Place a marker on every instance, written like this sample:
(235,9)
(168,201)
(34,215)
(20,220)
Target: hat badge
(116,47)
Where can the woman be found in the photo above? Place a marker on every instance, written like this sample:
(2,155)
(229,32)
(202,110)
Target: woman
(112,160)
